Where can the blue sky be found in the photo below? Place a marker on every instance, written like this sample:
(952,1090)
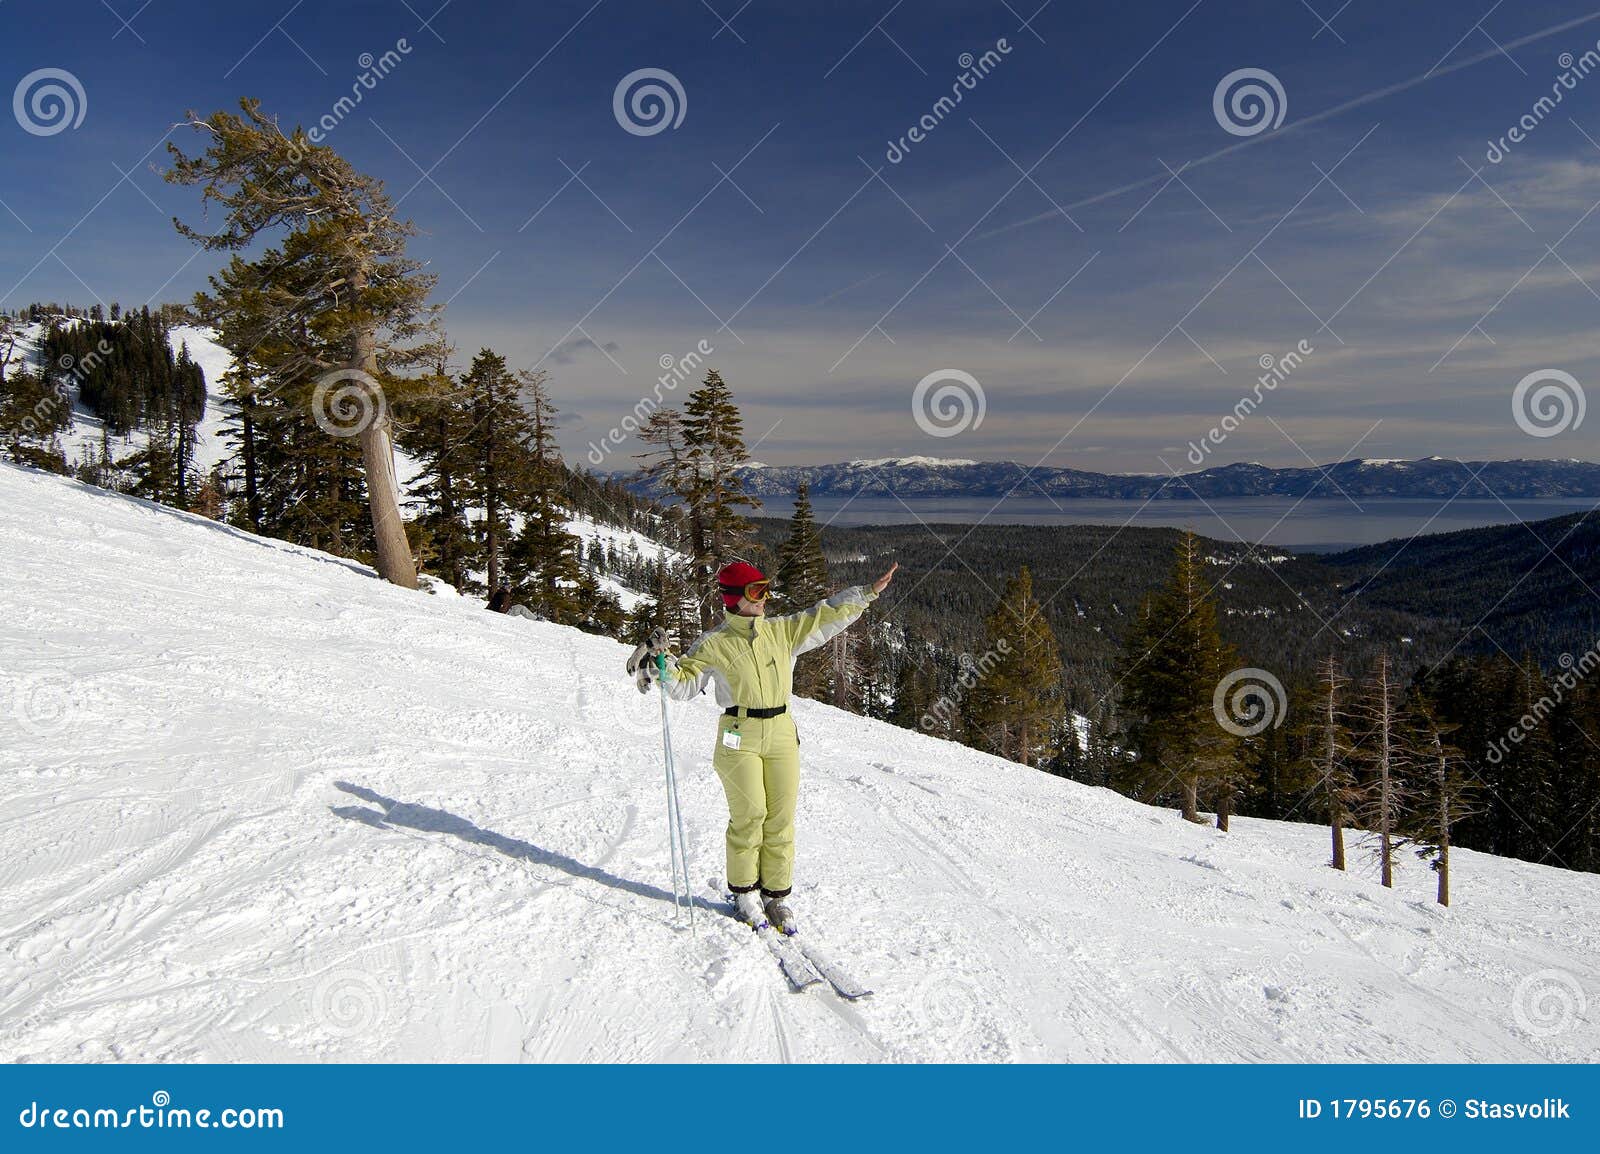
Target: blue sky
(1081,234)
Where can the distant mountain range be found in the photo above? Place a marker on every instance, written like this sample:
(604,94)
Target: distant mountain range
(938,477)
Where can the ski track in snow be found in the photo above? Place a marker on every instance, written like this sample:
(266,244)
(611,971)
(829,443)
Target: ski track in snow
(260,806)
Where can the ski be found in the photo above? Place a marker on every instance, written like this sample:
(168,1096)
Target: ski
(791,959)
(843,983)
(802,961)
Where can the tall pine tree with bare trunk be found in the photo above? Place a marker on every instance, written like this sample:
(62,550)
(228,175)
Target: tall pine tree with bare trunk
(341,281)
(1445,787)
(1386,751)
(1328,751)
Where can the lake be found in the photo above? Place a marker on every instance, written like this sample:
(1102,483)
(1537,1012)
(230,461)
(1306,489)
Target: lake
(1317,524)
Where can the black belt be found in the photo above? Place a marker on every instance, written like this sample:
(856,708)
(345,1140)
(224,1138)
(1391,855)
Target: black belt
(761,714)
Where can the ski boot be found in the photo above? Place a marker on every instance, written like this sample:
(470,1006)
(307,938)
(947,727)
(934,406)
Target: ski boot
(747,907)
(781,917)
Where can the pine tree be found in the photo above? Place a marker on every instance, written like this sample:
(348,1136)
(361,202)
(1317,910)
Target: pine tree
(1016,699)
(496,440)
(438,439)
(356,302)
(544,558)
(665,463)
(1578,845)
(8,345)
(1173,660)
(1329,751)
(1445,795)
(241,383)
(802,581)
(1388,755)
(156,471)
(713,444)
(33,414)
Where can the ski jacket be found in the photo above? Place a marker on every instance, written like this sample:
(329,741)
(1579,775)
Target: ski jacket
(749,661)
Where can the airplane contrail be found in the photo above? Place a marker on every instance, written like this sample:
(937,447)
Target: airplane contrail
(1315,118)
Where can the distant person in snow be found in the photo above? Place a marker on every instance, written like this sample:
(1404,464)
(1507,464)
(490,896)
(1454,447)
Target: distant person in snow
(501,602)
(749,660)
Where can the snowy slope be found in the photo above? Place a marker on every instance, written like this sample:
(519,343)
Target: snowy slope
(214,360)
(258,805)
(211,441)
(628,543)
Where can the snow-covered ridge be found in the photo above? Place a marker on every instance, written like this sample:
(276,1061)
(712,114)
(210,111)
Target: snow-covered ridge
(935,477)
(261,806)
(913,462)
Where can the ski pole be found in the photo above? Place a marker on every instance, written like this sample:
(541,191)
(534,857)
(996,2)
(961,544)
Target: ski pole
(683,840)
(675,836)
(666,763)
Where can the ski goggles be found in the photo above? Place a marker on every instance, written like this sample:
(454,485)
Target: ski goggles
(755,592)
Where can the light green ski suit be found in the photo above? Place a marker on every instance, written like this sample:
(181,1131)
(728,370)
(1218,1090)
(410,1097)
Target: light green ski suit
(749,661)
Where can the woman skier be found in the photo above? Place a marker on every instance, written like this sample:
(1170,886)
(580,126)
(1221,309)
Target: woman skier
(749,659)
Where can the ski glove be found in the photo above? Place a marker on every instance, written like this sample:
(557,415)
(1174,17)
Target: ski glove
(646,676)
(642,662)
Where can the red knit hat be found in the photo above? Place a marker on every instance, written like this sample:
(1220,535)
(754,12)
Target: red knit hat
(732,579)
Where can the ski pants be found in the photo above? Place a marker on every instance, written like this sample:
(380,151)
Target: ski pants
(761,779)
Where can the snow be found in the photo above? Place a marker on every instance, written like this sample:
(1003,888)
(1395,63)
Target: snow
(627,540)
(260,806)
(85,434)
(211,443)
(922,462)
(628,598)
